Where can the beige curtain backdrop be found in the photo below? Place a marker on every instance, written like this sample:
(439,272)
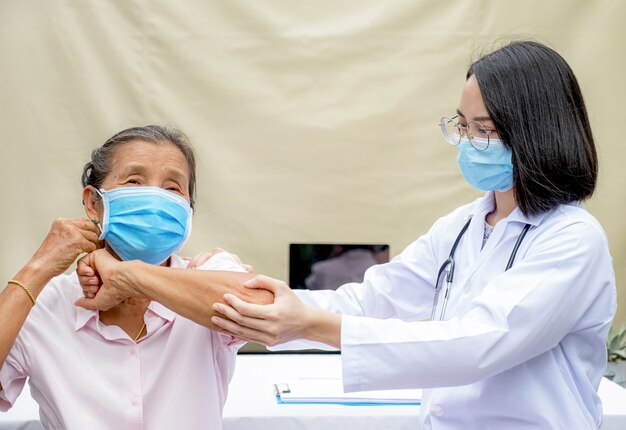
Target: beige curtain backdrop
(313,121)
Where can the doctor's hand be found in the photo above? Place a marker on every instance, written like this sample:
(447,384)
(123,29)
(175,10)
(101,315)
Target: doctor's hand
(286,319)
(105,281)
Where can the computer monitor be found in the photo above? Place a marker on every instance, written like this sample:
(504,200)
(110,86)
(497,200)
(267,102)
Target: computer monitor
(327,266)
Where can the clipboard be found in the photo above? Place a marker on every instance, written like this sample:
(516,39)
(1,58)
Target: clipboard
(330,391)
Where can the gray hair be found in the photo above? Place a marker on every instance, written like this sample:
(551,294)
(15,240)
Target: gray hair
(95,171)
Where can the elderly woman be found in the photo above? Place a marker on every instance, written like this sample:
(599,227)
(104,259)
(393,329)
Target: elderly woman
(137,364)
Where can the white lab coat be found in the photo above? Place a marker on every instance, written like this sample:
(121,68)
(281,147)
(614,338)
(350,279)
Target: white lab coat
(522,349)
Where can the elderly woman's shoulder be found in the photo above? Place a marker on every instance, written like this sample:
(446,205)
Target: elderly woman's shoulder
(60,293)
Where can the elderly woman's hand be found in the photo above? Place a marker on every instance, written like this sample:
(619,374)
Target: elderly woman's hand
(67,239)
(88,277)
(107,283)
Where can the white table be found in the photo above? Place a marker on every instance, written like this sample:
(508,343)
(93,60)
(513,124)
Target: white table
(251,403)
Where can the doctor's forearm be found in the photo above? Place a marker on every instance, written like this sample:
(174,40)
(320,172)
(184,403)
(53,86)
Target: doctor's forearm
(191,293)
(322,326)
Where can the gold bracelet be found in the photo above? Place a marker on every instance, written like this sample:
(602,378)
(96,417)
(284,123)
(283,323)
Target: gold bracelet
(30,295)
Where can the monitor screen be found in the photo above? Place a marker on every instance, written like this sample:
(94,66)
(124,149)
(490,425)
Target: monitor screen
(328,266)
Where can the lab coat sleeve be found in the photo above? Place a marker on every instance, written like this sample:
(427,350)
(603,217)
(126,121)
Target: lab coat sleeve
(402,288)
(563,284)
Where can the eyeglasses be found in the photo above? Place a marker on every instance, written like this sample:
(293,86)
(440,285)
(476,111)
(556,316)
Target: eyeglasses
(477,134)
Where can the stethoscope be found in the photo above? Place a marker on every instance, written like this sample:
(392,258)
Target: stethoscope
(450,263)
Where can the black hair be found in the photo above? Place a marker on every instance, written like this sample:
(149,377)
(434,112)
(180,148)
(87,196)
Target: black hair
(96,170)
(538,110)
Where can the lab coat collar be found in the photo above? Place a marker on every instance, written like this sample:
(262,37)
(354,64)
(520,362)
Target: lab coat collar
(487,203)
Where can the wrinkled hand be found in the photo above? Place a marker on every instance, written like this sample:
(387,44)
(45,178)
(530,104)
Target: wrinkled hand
(67,239)
(202,257)
(284,320)
(89,279)
(104,281)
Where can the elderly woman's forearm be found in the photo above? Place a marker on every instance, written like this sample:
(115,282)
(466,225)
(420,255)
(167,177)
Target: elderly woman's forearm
(16,303)
(192,293)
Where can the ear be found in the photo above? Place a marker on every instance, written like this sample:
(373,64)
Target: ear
(93,203)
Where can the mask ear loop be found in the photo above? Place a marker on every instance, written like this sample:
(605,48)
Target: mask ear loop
(95,222)
(104,215)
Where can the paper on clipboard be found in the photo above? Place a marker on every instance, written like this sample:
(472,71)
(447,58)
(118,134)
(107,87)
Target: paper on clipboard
(330,390)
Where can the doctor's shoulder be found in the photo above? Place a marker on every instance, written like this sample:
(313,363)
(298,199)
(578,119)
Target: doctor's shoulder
(574,214)
(571,228)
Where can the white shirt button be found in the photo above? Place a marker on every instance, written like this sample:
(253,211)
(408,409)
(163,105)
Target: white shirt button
(437,410)
(133,351)
(467,290)
(134,403)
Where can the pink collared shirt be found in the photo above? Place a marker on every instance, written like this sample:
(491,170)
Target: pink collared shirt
(86,375)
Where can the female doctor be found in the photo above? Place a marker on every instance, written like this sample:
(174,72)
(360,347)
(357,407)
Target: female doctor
(502,308)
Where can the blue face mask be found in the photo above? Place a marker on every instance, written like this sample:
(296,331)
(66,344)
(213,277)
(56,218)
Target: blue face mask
(486,170)
(145,223)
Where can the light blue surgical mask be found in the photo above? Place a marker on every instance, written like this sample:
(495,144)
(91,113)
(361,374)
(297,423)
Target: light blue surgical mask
(145,223)
(486,170)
